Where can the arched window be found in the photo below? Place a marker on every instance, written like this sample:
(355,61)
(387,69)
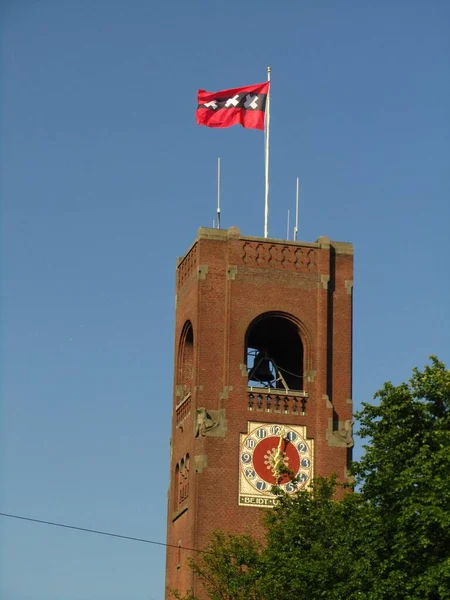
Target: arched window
(176,488)
(181,484)
(186,357)
(274,352)
(185,479)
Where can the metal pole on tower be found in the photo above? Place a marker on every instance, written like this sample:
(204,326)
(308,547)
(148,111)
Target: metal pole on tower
(267,139)
(218,193)
(296,213)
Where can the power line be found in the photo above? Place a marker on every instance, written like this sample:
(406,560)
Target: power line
(115,535)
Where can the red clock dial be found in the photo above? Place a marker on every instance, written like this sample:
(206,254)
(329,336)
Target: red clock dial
(264,460)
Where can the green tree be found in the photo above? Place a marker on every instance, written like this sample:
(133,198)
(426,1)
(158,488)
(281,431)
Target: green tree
(405,476)
(312,541)
(388,540)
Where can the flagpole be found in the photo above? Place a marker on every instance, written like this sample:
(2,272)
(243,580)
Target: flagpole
(296,213)
(266,136)
(218,192)
(288,225)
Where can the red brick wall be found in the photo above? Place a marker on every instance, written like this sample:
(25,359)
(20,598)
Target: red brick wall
(223,283)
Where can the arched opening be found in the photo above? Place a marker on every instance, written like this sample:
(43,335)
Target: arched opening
(186,357)
(274,353)
(176,484)
(181,485)
(182,481)
(185,474)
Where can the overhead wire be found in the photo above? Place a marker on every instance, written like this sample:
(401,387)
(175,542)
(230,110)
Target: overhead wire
(98,532)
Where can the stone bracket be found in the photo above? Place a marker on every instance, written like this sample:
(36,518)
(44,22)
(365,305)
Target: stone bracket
(210,423)
(324,279)
(349,476)
(244,371)
(232,272)
(328,403)
(200,463)
(343,436)
(310,375)
(349,285)
(202,271)
(226,390)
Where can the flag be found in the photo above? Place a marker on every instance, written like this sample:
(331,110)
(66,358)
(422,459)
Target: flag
(245,106)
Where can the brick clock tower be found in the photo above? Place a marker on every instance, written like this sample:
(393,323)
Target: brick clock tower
(262,383)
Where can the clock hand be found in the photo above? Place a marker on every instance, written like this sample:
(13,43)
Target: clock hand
(282,434)
(278,458)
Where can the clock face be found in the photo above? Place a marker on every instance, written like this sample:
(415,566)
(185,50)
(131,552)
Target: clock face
(273,454)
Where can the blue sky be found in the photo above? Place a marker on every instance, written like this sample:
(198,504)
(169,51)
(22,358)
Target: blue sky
(104,180)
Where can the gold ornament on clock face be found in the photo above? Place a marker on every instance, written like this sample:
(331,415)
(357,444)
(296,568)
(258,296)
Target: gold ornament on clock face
(272,455)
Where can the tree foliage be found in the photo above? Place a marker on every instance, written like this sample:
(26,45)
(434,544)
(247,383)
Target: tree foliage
(388,540)
(405,476)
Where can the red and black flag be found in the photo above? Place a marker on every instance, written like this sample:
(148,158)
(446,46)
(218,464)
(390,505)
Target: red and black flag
(245,106)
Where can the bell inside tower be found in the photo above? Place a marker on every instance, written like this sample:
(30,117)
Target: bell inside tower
(274,353)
